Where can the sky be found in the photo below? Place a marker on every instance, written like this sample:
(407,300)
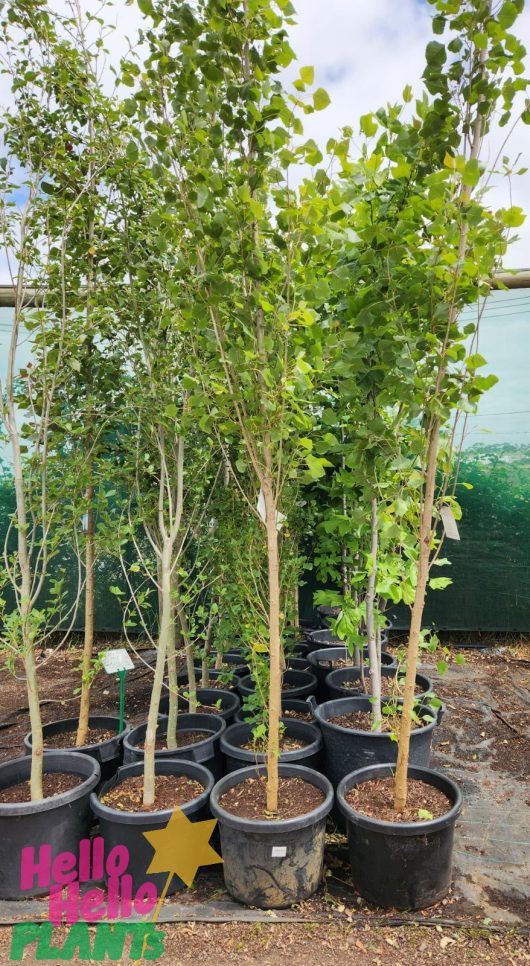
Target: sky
(364,53)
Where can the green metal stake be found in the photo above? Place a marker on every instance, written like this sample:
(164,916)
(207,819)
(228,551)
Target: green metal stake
(121,675)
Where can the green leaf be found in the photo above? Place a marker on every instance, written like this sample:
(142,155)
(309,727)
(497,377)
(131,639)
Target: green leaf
(307,75)
(171,410)
(202,195)
(425,814)
(435,54)
(442,667)
(475,361)
(321,99)
(507,15)
(440,583)
(368,125)
(513,217)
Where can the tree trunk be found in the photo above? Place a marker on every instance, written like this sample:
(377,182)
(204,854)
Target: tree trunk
(164,634)
(205,670)
(172,717)
(400,785)
(275,649)
(375,670)
(88,644)
(37,741)
(189,651)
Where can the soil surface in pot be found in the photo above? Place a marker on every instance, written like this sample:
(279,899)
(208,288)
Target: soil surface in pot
(53,784)
(216,683)
(66,739)
(286,744)
(170,791)
(299,715)
(376,799)
(249,799)
(184,738)
(361,721)
(389,686)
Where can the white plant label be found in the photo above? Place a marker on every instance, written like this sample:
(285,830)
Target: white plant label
(449,523)
(279,851)
(117,660)
(280,517)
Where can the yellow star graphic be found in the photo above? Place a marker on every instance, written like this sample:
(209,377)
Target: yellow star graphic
(182,846)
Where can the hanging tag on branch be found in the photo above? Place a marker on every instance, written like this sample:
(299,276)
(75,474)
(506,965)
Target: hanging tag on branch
(280,517)
(449,523)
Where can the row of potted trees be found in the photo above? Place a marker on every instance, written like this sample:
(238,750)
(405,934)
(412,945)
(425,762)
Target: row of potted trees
(212,350)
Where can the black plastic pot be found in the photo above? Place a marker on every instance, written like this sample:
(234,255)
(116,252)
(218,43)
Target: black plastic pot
(288,704)
(60,822)
(327,613)
(347,750)
(235,659)
(108,753)
(304,683)
(321,661)
(127,828)
(401,865)
(297,663)
(327,638)
(204,752)
(229,703)
(239,734)
(229,678)
(336,687)
(272,864)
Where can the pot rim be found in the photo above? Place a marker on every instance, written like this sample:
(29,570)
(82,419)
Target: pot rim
(162,767)
(92,746)
(386,671)
(214,734)
(257,758)
(90,772)
(401,829)
(325,722)
(272,826)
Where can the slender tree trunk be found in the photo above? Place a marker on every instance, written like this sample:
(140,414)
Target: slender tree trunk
(400,785)
(88,644)
(205,669)
(37,741)
(25,605)
(164,635)
(172,718)
(375,670)
(275,649)
(189,651)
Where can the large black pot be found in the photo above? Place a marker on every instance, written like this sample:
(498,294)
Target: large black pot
(297,663)
(107,753)
(327,638)
(401,865)
(60,822)
(347,750)
(288,704)
(207,697)
(204,752)
(337,688)
(272,864)
(321,663)
(304,683)
(239,734)
(127,828)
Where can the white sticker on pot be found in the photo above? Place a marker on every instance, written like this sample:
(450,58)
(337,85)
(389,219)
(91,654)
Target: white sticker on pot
(279,851)
(449,523)
(117,660)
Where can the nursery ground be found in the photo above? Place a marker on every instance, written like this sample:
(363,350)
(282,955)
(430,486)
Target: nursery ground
(324,943)
(484,742)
